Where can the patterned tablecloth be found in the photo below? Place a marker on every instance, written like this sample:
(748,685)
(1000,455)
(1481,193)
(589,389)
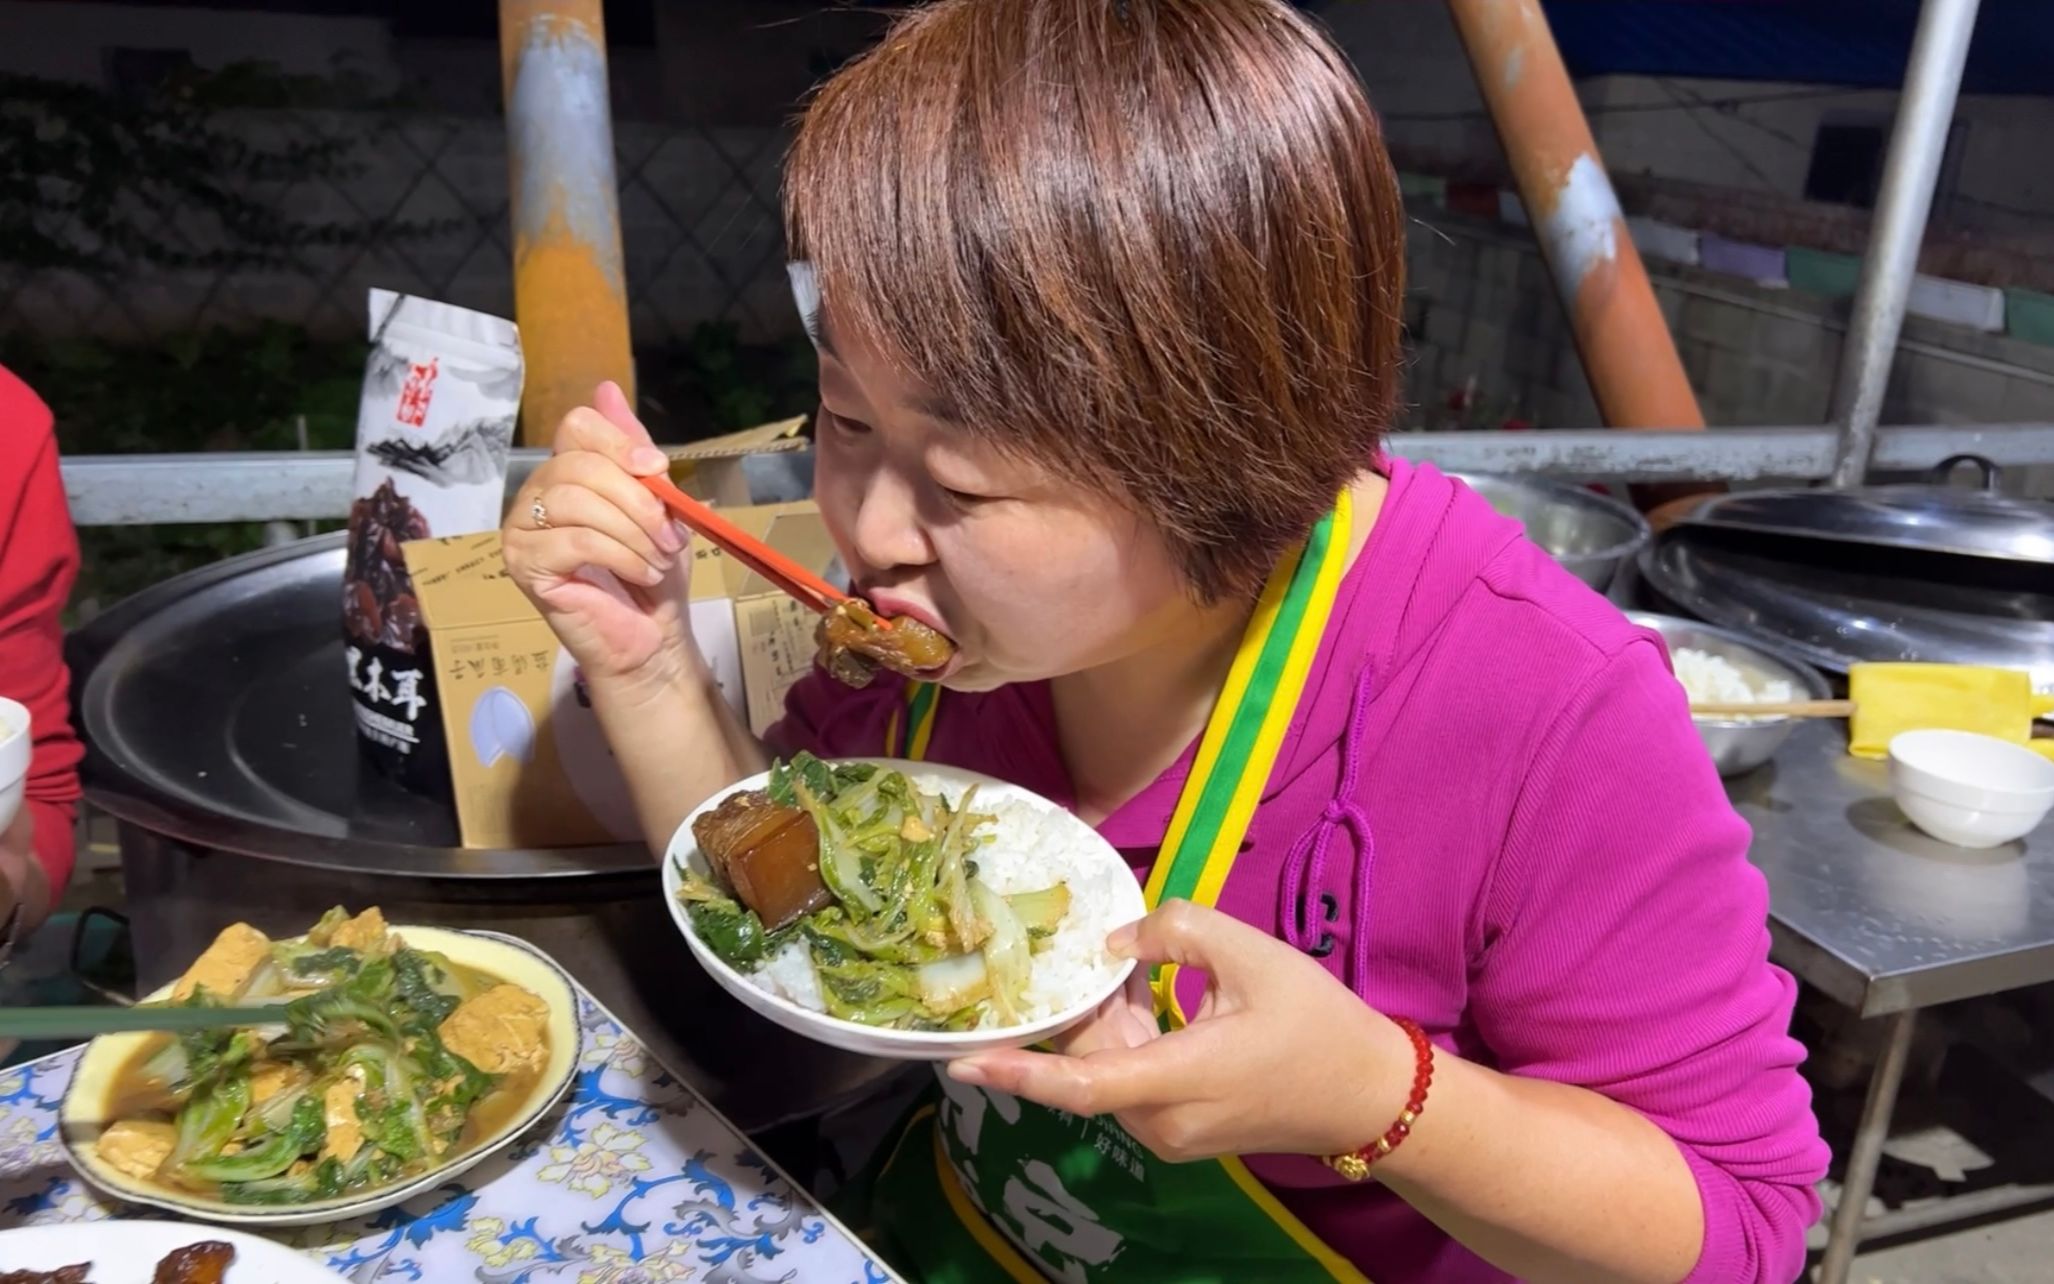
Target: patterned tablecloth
(631,1180)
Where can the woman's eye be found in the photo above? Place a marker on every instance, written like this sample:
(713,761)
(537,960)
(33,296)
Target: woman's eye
(847,427)
(965,498)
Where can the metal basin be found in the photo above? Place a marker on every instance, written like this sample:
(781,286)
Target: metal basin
(1739,745)
(220,737)
(1591,535)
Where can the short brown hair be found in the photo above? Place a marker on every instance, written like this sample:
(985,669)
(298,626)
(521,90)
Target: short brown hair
(1157,244)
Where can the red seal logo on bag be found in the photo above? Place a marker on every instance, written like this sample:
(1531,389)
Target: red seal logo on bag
(419,391)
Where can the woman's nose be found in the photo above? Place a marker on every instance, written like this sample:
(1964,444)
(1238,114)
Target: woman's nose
(889,532)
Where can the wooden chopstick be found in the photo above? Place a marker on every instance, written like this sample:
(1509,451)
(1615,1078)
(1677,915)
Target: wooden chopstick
(92,1022)
(1780,709)
(808,588)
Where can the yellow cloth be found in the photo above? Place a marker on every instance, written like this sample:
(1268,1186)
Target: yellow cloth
(1892,698)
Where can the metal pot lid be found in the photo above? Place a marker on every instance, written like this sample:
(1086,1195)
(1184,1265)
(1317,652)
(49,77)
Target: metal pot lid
(1836,604)
(216,711)
(1929,518)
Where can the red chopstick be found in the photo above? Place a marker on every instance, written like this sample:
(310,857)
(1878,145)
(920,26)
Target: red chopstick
(808,588)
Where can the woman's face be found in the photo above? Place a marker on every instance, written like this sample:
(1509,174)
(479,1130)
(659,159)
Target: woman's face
(1032,576)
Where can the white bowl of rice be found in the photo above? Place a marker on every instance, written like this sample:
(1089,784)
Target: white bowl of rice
(1033,843)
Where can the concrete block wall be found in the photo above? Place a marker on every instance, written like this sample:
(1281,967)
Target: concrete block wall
(1485,316)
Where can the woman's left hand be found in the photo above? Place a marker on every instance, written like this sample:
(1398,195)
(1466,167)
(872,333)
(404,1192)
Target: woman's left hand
(1280,1058)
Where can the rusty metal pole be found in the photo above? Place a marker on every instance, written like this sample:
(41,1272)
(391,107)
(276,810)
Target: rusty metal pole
(1624,340)
(570,289)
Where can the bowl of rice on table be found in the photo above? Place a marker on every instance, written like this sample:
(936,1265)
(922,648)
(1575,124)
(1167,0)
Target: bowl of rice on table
(899,909)
(1716,665)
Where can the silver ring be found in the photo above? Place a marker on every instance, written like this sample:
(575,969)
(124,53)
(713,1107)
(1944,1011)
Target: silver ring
(539,513)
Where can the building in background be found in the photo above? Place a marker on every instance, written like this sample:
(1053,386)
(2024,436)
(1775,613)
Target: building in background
(1746,137)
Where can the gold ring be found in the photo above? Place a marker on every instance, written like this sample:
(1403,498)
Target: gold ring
(539,513)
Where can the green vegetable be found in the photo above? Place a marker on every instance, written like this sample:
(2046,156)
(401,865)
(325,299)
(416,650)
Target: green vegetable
(322,934)
(267,1156)
(195,1055)
(322,1181)
(400,1127)
(955,982)
(330,966)
(321,1017)
(823,780)
(375,1027)
(208,1120)
(914,938)
(1008,954)
(424,986)
(1041,912)
(734,933)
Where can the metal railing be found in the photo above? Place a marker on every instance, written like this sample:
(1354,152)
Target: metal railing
(129,490)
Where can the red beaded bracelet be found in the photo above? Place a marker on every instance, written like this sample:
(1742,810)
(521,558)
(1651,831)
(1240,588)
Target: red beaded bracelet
(1355,1164)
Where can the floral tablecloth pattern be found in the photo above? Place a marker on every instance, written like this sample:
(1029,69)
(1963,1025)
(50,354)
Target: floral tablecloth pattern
(631,1180)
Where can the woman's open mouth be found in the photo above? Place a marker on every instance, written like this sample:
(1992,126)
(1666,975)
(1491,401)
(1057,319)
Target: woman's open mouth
(857,640)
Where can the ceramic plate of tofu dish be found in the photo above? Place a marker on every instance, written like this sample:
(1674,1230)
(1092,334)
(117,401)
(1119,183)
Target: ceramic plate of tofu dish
(401,1057)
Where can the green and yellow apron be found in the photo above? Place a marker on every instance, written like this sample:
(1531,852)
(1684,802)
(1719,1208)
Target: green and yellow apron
(984,1186)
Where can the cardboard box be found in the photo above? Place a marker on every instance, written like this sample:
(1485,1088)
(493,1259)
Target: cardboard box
(529,765)
(712,470)
(758,640)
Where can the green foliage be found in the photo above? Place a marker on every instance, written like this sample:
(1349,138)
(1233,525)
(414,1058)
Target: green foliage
(712,382)
(205,390)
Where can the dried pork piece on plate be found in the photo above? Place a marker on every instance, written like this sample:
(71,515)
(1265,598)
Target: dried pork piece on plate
(206,1262)
(124,1251)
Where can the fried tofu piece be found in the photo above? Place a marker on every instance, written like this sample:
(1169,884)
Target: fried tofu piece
(366,933)
(339,1106)
(273,1077)
(227,965)
(137,1147)
(499,1031)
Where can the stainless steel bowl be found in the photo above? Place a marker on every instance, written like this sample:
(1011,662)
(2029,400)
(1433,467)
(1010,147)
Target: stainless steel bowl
(1736,744)
(1590,535)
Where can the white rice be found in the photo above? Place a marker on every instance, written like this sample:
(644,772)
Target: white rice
(1030,847)
(1713,679)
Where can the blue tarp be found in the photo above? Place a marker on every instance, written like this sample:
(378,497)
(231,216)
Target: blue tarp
(1831,42)
(1835,42)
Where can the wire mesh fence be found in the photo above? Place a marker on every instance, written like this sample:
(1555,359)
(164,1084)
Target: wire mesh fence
(406,201)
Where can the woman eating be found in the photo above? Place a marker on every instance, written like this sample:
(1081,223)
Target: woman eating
(1463,971)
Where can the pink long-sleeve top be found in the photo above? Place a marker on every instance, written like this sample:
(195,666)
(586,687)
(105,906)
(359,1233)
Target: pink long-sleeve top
(1491,814)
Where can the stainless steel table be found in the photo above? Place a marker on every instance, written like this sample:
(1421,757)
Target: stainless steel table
(1888,921)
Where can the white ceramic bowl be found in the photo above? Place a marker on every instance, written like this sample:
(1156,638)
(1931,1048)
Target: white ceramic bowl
(1970,790)
(124,1252)
(16,743)
(908,1045)
(84,1112)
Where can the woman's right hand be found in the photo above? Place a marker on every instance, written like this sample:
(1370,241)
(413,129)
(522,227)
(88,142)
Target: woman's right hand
(633,621)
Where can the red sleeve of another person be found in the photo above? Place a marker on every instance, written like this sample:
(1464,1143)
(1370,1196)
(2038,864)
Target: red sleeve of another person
(38,562)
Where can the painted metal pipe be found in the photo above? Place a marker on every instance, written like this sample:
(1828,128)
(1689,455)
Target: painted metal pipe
(570,288)
(1918,143)
(1634,370)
